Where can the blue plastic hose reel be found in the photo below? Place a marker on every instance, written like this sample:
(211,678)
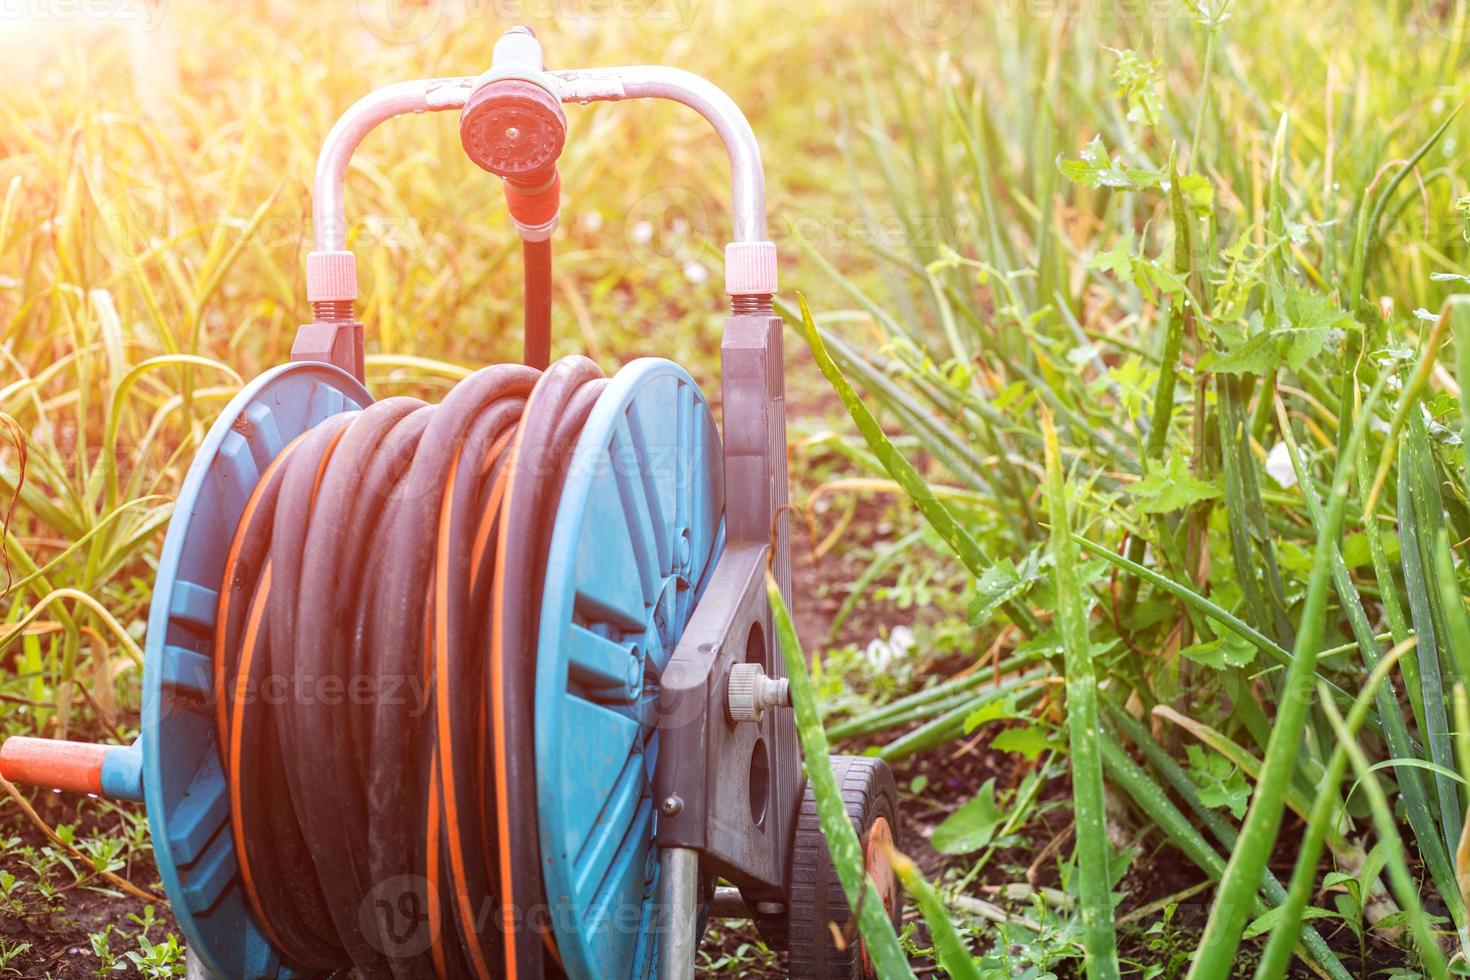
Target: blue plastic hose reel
(639,527)
(184,785)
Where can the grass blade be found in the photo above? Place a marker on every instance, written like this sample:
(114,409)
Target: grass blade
(1243,874)
(950,531)
(1284,934)
(949,948)
(1405,888)
(1151,798)
(847,852)
(1094,889)
(1419,510)
(1389,714)
(1200,604)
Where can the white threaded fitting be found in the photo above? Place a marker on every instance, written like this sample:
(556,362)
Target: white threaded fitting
(750,268)
(751,692)
(331,277)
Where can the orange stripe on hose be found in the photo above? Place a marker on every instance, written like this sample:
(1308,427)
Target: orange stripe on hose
(431,878)
(445,733)
(549,941)
(321,470)
(497,717)
(258,603)
(482,538)
(496,448)
(492,509)
(477,562)
(232,558)
(432,831)
(240,695)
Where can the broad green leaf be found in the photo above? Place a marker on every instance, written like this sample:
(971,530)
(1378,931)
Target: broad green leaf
(996,710)
(972,826)
(1264,923)
(1265,353)
(1029,741)
(1001,583)
(1172,488)
(1094,168)
(1227,651)
(1307,319)
(1118,260)
(1232,794)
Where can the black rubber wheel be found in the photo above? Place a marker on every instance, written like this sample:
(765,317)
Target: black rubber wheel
(816,901)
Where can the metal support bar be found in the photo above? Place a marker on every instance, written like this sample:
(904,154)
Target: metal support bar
(423,95)
(195,968)
(679,911)
(748,179)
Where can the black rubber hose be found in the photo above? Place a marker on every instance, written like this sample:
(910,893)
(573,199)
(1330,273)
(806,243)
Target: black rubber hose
(537,259)
(400,790)
(554,417)
(264,823)
(380,758)
(337,559)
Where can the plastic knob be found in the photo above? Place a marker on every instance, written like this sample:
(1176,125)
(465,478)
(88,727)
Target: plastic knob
(751,692)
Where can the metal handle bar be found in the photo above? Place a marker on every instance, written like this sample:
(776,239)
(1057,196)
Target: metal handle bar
(581,86)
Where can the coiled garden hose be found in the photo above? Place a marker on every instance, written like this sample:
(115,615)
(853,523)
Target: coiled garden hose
(398,549)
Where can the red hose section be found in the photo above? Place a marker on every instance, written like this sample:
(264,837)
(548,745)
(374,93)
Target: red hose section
(536,206)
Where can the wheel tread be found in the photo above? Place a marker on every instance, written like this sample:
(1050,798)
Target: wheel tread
(815,897)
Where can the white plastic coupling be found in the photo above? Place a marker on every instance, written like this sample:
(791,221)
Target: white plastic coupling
(750,268)
(331,277)
(536,233)
(518,50)
(518,55)
(751,693)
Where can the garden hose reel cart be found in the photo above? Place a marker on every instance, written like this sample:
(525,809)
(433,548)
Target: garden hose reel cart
(580,595)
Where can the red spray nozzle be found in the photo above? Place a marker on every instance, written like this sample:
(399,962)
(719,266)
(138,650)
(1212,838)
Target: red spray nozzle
(513,126)
(515,129)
